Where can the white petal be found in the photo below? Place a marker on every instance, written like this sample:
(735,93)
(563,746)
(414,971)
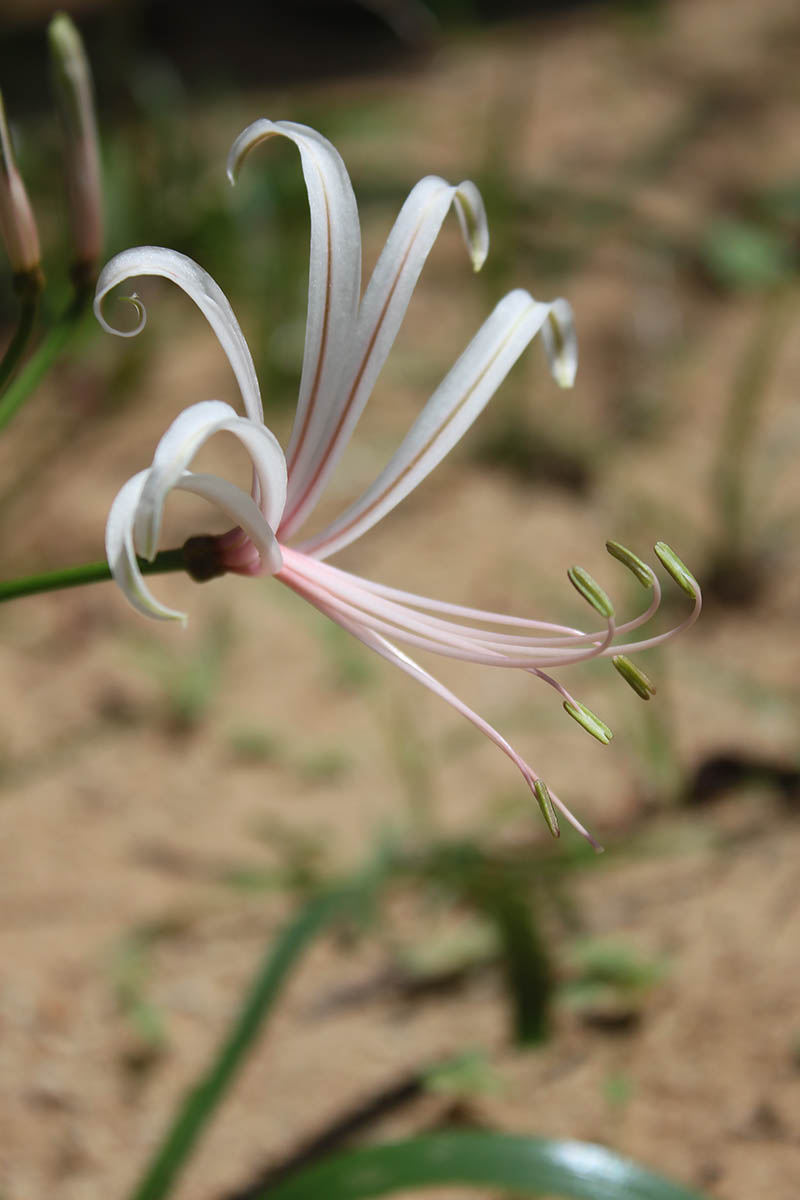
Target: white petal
(207,295)
(334,282)
(187,433)
(452,408)
(235,503)
(561,343)
(380,317)
(122,557)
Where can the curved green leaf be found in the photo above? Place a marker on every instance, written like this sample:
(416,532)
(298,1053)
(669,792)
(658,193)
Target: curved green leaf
(524,1165)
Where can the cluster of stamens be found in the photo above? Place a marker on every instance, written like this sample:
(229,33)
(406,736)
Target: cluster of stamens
(380,616)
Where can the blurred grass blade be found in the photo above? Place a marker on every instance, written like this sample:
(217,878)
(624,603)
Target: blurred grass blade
(528,978)
(200,1104)
(525,1166)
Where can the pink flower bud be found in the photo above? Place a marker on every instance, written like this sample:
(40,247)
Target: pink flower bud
(17,221)
(72,81)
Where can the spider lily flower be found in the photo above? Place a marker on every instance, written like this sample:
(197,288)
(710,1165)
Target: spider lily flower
(346,345)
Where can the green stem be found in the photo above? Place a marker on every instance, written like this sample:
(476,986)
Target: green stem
(738,438)
(16,347)
(42,360)
(98,572)
(199,1105)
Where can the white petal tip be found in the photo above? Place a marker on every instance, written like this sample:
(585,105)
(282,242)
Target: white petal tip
(564,374)
(472,218)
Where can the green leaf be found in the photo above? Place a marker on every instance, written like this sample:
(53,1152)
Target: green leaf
(200,1103)
(525,1165)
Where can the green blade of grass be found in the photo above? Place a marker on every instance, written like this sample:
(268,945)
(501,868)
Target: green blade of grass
(201,1102)
(523,1165)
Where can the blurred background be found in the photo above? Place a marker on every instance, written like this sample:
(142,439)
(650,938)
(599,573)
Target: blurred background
(167,797)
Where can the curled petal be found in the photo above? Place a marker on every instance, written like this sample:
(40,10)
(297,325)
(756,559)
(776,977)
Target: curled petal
(561,343)
(187,433)
(121,554)
(121,525)
(207,295)
(379,319)
(334,280)
(452,408)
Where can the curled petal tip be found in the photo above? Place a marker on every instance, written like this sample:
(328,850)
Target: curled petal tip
(561,343)
(474,225)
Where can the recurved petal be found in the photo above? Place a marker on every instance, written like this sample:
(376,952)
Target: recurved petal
(122,556)
(334,281)
(379,319)
(237,505)
(561,343)
(187,433)
(452,408)
(207,295)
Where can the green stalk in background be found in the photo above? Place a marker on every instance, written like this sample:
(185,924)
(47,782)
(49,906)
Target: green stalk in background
(734,570)
(73,324)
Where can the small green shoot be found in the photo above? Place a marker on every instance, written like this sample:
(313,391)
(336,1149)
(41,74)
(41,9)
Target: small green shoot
(467,1074)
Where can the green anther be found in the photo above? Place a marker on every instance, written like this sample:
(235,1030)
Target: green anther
(680,573)
(542,794)
(632,561)
(634,677)
(591,591)
(587,719)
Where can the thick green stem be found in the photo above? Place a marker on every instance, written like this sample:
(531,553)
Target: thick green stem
(98,572)
(17,345)
(43,358)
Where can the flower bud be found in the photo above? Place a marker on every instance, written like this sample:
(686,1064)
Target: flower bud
(17,221)
(72,81)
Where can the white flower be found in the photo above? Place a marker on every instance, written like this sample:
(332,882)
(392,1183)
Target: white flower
(346,345)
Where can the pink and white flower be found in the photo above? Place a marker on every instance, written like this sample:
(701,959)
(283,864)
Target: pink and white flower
(346,344)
